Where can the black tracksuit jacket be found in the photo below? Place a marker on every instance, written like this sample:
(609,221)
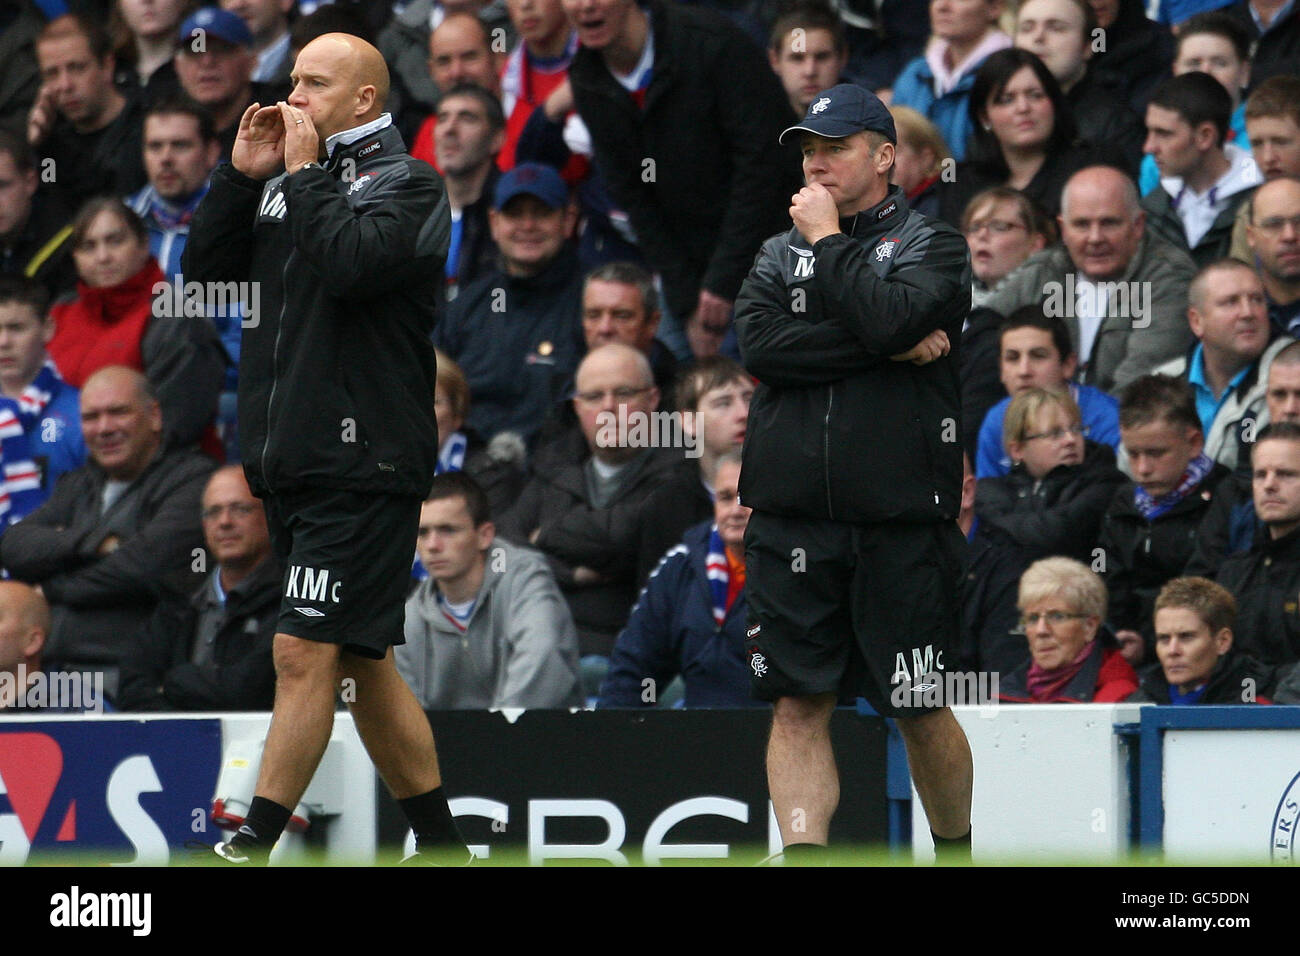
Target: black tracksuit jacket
(837,430)
(336,374)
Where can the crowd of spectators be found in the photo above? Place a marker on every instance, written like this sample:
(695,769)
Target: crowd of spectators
(1129,189)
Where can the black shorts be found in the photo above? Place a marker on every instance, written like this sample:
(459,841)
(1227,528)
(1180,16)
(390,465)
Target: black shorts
(347,559)
(851,609)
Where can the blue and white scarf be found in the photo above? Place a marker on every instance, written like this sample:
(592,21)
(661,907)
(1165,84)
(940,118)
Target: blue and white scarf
(20,484)
(1151,509)
(452,456)
(715,568)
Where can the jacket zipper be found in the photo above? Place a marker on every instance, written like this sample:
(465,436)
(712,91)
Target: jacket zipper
(275,363)
(826,448)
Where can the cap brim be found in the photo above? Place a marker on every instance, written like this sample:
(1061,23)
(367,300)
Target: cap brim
(829,130)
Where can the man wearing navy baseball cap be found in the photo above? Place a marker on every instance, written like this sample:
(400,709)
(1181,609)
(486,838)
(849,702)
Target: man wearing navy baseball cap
(846,320)
(515,330)
(531,179)
(844,110)
(214,62)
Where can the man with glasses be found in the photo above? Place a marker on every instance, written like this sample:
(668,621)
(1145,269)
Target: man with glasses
(1273,234)
(585,514)
(1035,352)
(211,650)
(515,330)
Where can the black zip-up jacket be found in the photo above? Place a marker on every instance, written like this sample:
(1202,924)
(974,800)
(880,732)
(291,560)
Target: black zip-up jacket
(1142,555)
(837,430)
(1233,677)
(1266,583)
(719,183)
(336,373)
(158,673)
(1059,515)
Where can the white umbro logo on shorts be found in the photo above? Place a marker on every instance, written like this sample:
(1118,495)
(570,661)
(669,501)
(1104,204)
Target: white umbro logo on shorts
(309,611)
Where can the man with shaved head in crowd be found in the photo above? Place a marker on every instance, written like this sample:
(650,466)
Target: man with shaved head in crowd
(24,626)
(337,432)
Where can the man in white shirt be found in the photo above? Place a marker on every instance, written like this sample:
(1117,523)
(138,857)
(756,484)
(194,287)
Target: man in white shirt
(1203,179)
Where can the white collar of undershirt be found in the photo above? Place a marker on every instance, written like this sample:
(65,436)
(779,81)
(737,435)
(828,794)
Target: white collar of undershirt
(350,136)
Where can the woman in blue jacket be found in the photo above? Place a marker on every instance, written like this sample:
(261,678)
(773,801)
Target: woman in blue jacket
(938,83)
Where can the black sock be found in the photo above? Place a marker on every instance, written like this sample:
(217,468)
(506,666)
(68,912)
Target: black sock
(431,819)
(949,850)
(805,854)
(262,826)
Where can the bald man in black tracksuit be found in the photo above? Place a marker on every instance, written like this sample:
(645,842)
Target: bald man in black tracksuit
(337,426)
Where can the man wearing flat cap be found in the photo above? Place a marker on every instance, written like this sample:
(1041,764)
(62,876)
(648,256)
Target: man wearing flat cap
(852,465)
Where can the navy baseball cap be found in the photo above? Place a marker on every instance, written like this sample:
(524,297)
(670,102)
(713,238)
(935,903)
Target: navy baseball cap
(532,179)
(844,110)
(216,22)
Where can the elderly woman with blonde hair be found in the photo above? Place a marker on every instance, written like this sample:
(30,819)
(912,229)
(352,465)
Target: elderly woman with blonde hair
(1073,657)
(1060,484)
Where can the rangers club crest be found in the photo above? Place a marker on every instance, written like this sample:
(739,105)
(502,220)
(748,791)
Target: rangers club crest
(820,105)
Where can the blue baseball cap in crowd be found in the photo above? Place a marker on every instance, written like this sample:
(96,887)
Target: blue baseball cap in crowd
(218,23)
(532,179)
(844,110)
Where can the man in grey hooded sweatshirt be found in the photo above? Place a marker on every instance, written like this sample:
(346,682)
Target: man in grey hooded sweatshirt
(489,627)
